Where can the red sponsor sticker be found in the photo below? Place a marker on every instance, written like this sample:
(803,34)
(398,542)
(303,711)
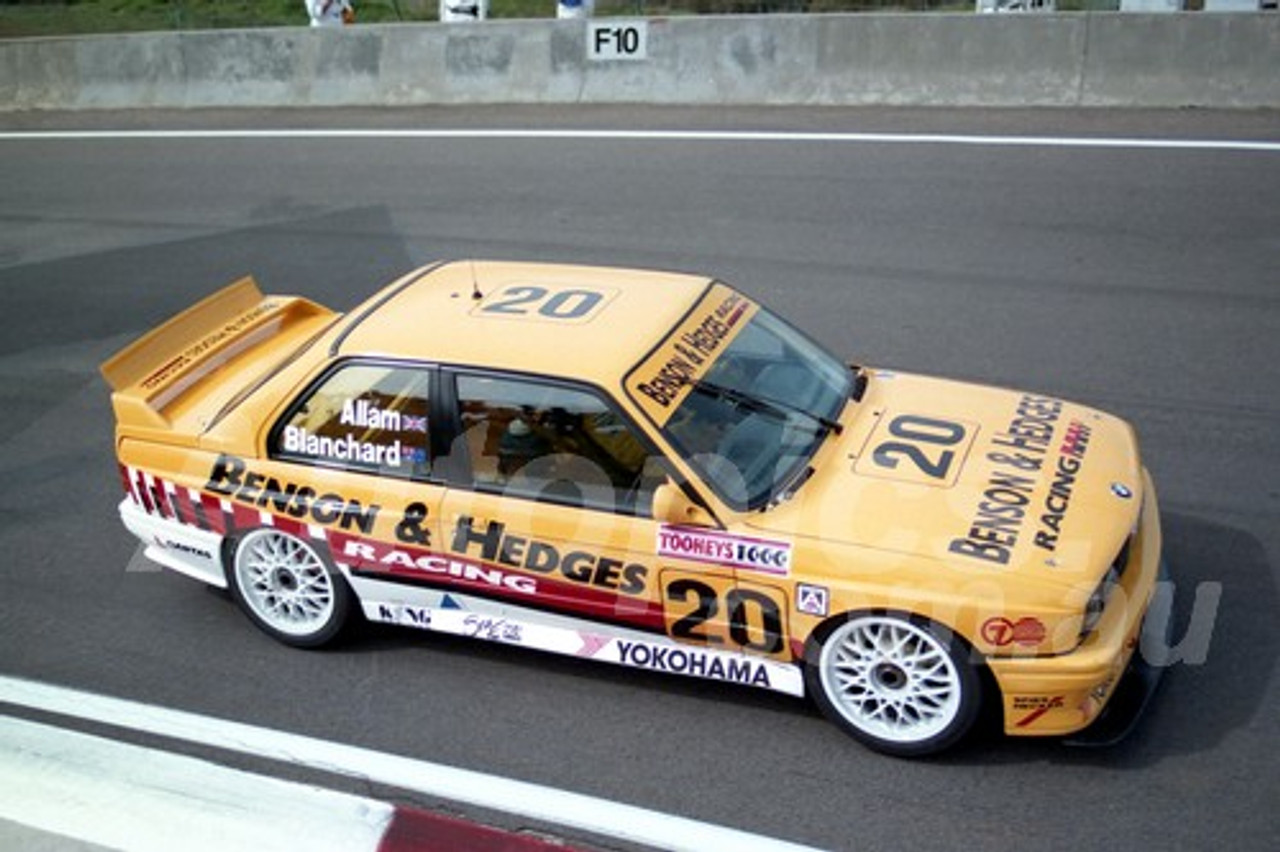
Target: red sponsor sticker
(1038,705)
(1001,631)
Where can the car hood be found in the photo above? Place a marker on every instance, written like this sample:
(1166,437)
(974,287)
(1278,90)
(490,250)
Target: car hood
(984,479)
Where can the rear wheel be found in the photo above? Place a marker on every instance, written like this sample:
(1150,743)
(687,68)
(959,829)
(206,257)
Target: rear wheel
(288,589)
(901,685)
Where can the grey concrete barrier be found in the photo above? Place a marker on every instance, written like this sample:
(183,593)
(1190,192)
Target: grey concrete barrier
(1104,59)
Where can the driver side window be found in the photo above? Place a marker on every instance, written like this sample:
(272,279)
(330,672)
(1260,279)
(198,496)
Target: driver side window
(549,442)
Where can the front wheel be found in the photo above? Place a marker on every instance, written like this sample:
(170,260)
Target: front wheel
(899,684)
(287,588)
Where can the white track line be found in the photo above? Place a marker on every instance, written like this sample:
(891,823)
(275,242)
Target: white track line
(573,810)
(660,136)
(122,796)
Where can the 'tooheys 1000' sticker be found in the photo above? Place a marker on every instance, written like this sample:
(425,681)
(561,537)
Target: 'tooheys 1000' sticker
(753,554)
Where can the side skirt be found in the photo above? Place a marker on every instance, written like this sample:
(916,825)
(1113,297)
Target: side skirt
(479,618)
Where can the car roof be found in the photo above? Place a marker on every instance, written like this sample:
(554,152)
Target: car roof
(580,322)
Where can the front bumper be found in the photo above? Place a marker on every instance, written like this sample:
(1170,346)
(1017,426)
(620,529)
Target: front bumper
(1099,690)
(1133,693)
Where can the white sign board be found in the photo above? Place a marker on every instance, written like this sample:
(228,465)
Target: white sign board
(612,40)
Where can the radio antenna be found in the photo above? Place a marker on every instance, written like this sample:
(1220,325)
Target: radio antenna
(475,283)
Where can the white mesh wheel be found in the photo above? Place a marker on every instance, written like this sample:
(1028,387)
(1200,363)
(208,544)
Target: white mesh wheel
(895,684)
(287,588)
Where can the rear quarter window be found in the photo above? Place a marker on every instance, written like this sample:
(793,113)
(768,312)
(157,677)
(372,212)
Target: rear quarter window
(366,417)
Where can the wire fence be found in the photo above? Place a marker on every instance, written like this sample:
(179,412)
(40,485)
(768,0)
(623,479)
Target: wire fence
(58,17)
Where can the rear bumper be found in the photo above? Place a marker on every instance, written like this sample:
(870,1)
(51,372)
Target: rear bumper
(177,546)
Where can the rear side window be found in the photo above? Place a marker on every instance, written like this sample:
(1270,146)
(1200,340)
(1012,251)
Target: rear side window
(366,417)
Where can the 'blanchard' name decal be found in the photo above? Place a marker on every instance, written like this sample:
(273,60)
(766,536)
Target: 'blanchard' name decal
(296,439)
(365,416)
(770,557)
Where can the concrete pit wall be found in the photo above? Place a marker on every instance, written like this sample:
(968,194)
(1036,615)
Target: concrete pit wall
(1123,60)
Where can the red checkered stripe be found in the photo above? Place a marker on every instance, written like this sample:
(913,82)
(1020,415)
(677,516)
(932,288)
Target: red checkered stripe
(165,499)
(192,507)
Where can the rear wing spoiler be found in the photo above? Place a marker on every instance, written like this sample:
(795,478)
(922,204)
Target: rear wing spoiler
(159,367)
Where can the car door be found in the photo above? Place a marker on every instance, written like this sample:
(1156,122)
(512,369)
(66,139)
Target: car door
(552,481)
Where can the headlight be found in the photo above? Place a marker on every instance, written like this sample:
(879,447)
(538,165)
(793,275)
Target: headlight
(1097,602)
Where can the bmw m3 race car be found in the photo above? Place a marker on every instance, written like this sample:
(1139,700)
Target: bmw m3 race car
(652,470)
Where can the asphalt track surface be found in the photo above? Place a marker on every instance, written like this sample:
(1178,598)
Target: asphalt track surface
(1145,281)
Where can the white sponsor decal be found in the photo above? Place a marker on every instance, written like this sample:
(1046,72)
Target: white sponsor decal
(459,620)
(347,448)
(769,557)
(405,615)
(361,412)
(368,554)
(693,662)
(183,547)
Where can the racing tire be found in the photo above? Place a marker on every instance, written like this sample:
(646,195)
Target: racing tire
(288,589)
(900,684)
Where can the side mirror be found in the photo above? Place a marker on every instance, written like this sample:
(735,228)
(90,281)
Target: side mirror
(672,506)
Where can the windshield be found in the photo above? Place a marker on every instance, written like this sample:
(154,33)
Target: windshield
(749,417)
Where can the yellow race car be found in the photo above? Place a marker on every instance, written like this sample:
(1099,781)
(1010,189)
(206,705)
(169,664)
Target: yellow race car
(648,469)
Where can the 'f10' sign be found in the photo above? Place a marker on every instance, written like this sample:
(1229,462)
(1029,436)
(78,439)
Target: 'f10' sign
(617,40)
